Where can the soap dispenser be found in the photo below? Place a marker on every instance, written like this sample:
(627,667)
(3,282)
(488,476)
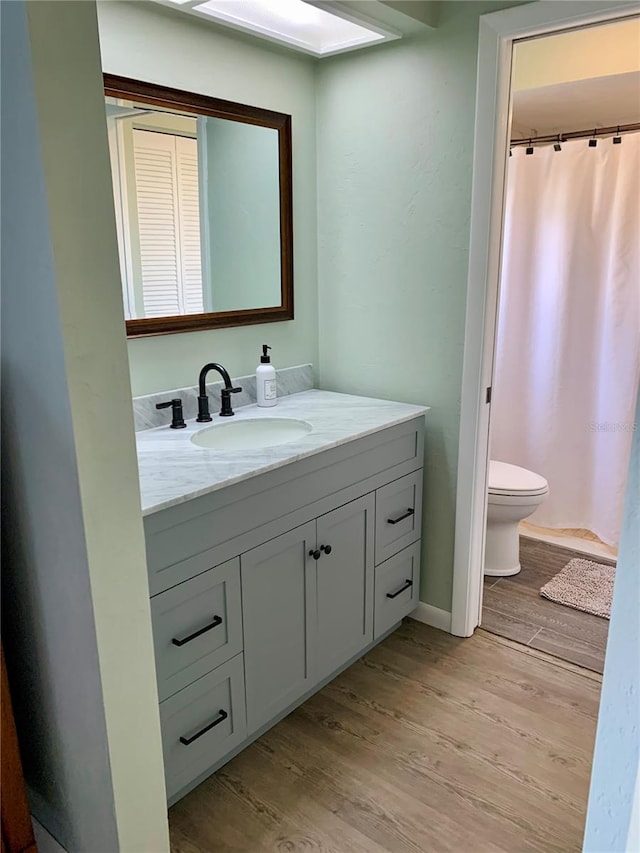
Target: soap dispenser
(266,380)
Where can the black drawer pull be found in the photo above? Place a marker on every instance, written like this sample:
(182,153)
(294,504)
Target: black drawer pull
(217,620)
(407,584)
(222,715)
(408,513)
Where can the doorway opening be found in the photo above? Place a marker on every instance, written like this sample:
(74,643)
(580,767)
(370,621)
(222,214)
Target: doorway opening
(534,123)
(567,342)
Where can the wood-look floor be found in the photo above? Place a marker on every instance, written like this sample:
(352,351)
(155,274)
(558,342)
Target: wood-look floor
(430,743)
(513,608)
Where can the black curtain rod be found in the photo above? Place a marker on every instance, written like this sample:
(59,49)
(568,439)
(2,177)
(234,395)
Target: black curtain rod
(594,133)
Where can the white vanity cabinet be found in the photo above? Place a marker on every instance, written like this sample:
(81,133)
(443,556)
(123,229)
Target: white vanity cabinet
(264,590)
(307,599)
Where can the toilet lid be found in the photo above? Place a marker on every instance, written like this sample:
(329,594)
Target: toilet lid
(506,479)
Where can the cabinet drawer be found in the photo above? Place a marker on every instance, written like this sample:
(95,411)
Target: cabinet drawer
(396,588)
(398,515)
(202,723)
(197,625)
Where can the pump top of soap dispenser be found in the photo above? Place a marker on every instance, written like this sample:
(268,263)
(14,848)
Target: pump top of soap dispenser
(264,358)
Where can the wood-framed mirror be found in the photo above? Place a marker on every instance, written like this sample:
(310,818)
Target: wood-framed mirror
(204,210)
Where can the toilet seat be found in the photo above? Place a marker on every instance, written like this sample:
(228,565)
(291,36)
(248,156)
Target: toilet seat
(510,480)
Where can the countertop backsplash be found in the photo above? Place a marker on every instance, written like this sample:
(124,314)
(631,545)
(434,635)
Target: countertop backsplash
(291,380)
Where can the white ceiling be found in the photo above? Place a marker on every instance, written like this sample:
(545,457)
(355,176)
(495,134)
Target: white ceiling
(597,51)
(578,105)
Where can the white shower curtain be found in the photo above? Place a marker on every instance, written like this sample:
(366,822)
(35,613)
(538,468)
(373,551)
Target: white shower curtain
(568,342)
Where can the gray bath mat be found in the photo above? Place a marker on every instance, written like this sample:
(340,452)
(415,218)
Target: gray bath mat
(583,585)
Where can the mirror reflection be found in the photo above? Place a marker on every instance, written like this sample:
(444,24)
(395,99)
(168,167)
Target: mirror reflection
(198,216)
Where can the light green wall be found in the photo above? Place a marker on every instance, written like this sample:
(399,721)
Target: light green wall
(395,142)
(170,49)
(242,215)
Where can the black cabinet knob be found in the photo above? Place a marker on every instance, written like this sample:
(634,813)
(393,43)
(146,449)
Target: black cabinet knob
(326,548)
(315,554)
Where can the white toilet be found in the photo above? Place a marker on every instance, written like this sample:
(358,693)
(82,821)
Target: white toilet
(514,494)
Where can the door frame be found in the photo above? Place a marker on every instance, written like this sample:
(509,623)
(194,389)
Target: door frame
(497,33)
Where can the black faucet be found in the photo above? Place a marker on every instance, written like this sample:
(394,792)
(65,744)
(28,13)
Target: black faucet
(225,395)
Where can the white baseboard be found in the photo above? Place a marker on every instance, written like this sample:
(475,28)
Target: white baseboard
(433,616)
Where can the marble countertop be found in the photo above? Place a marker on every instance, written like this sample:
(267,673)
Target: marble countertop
(173,470)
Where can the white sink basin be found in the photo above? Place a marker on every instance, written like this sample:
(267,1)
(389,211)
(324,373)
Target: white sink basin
(251,434)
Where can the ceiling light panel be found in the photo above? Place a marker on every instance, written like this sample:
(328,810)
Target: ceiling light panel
(294,22)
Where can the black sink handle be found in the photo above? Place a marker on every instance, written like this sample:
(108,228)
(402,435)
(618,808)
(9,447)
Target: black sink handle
(177,418)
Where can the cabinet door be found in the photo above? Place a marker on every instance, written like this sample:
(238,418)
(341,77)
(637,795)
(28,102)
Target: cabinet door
(279,608)
(345,583)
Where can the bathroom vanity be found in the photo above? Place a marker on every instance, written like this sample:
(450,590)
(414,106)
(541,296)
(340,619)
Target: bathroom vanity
(273,568)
